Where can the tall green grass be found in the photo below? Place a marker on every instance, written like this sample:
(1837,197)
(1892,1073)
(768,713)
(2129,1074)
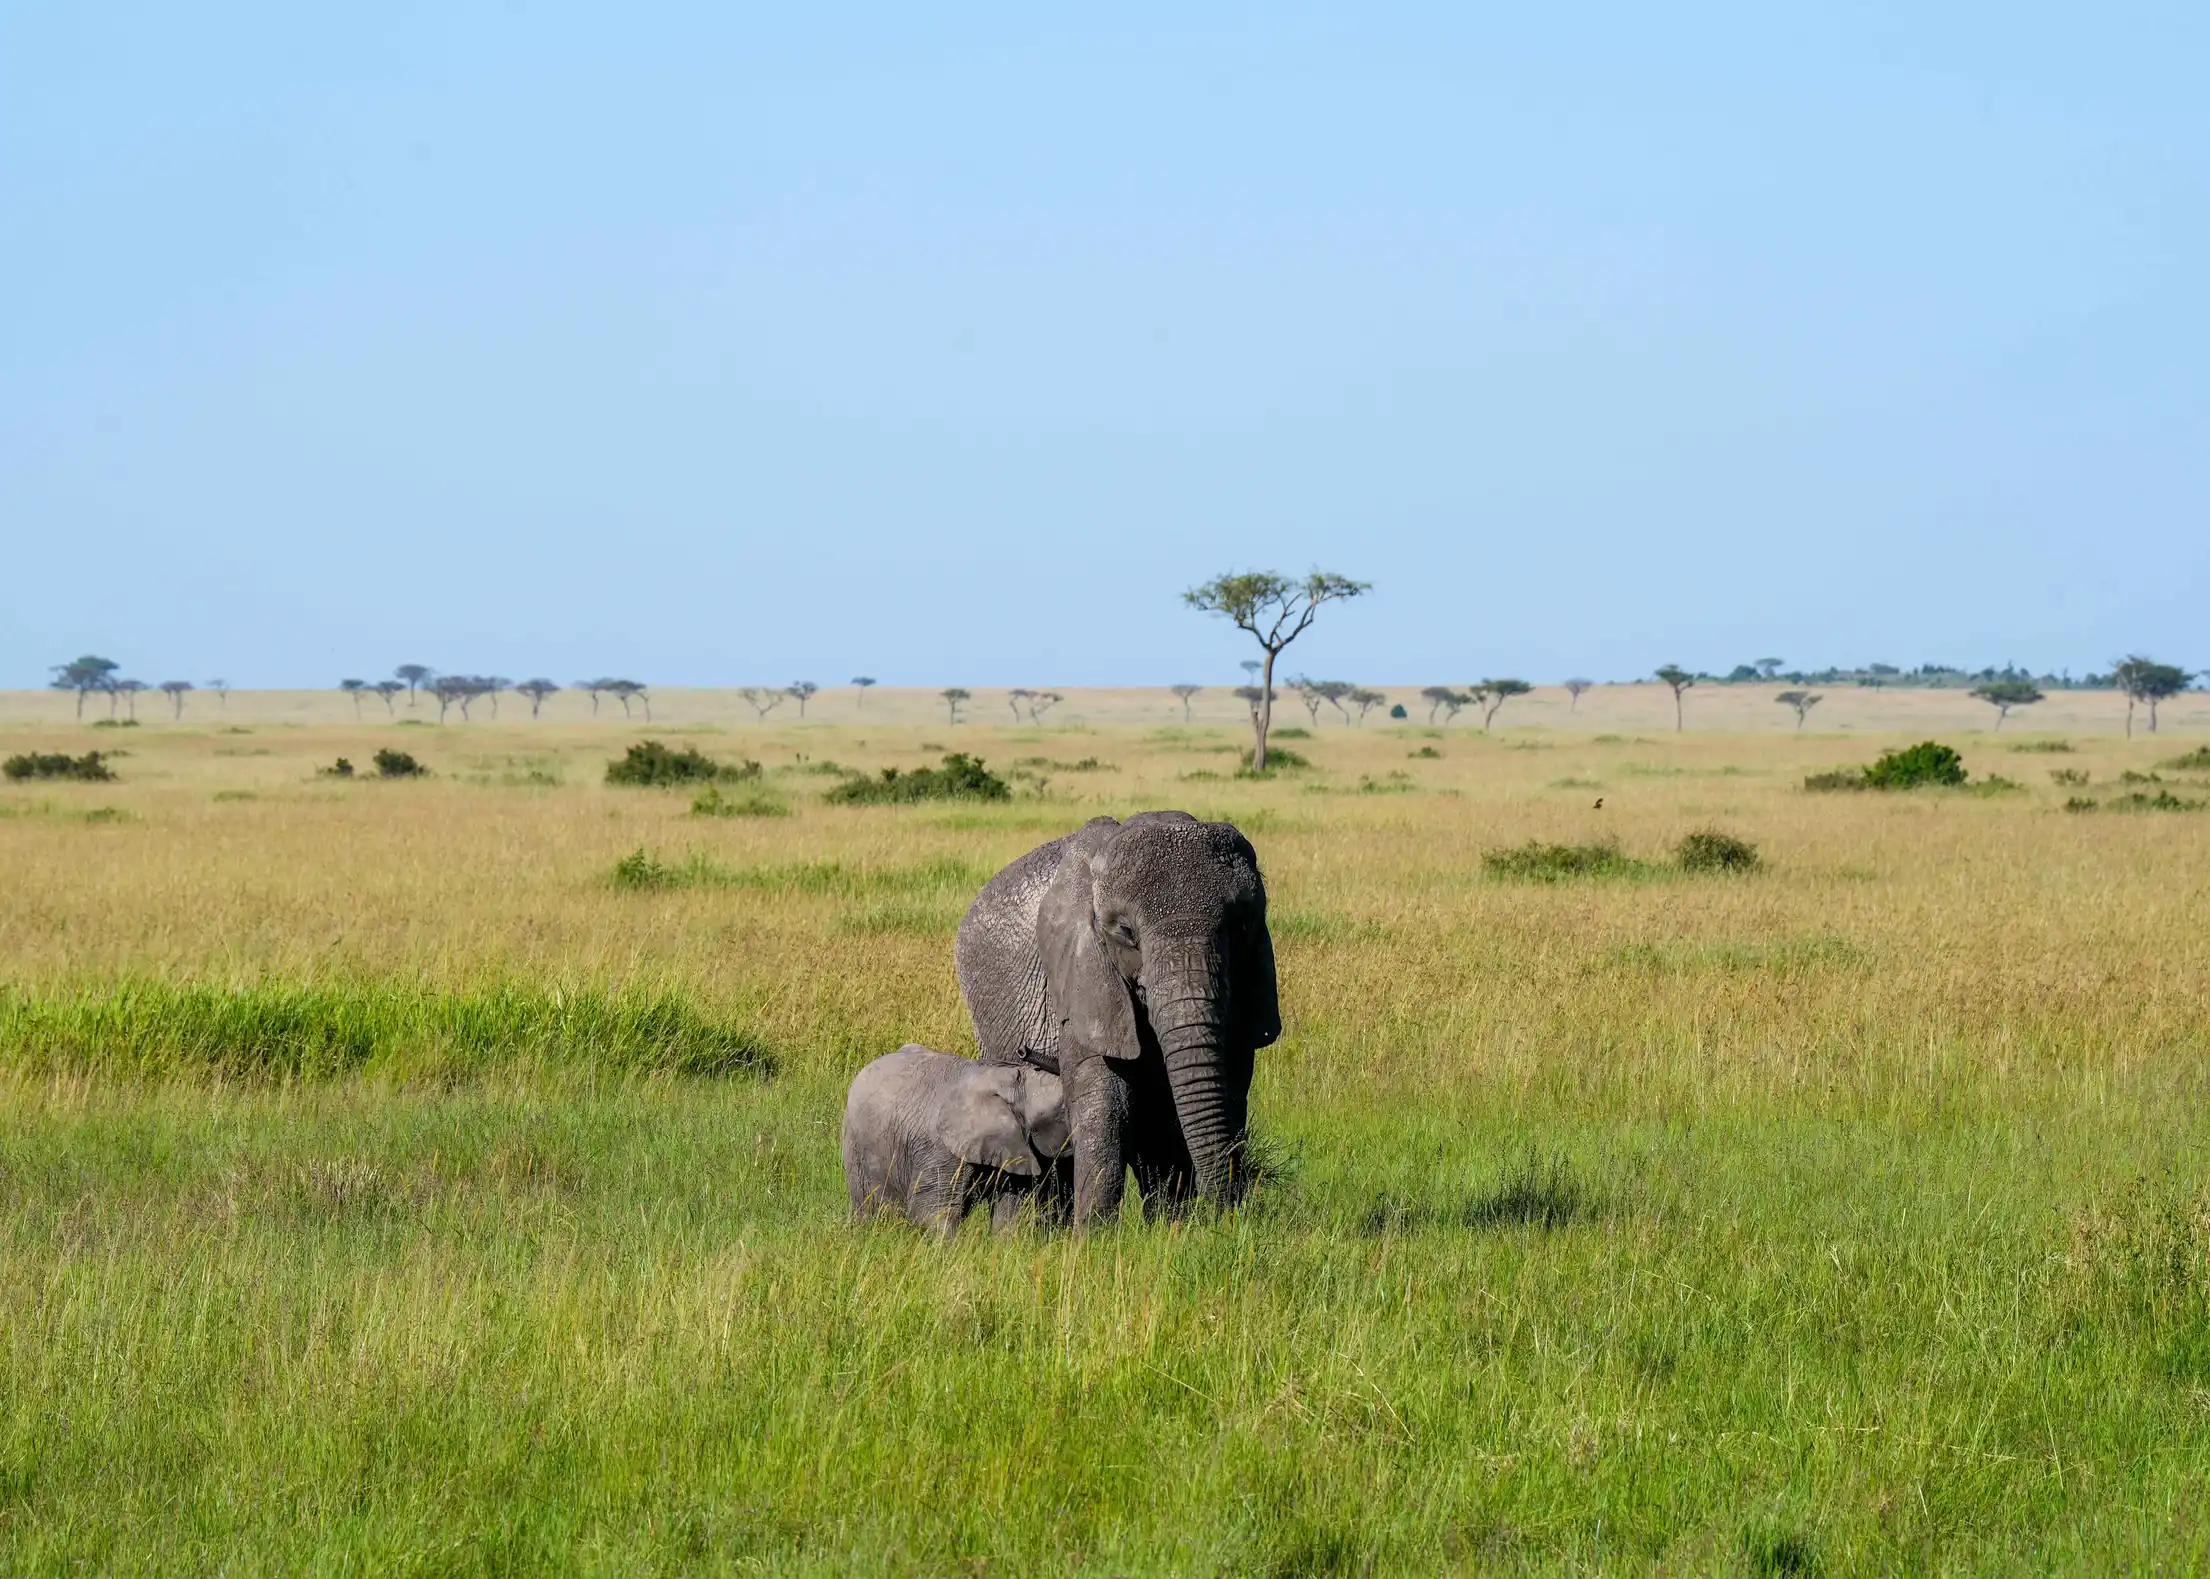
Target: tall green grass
(281,1030)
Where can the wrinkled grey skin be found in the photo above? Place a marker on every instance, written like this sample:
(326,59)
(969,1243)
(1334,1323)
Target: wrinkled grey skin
(1133,958)
(934,1136)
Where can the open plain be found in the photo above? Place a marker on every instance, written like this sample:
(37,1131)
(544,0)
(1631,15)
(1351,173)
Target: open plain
(439,1176)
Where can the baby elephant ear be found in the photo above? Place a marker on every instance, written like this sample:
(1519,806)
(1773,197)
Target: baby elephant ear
(987,1133)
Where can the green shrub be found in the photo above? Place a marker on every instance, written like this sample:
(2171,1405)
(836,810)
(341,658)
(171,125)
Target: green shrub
(56,765)
(1836,779)
(392,764)
(2131,777)
(754,800)
(1709,850)
(2080,803)
(1426,753)
(652,765)
(1996,784)
(340,769)
(960,778)
(2043,745)
(1279,759)
(2162,800)
(2195,761)
(1537,862)
(115,723)
(1085,765)
(1927,763)
(1289,732)
(2072,776)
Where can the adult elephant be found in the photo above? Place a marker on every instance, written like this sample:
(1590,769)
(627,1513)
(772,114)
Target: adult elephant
(1132,959)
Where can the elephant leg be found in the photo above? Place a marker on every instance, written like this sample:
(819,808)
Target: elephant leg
(1005,1211)
(1097,1113)
(938,1198)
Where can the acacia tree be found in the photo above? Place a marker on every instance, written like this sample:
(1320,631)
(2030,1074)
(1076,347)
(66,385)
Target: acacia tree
(1186,694)
(1801,701)
(1574,688)
(2003,695)
(128,690)
(627,691)
(764,699)
(953,696)
(1310,693)
(1443,697)
(1014,698)
(1680,680)
(414,674)
(1041,703)
(591,688)
(1494,694)
(1364,700)
(176,690)
(1767,667)
(860,683)
(387,689)
(2145,680)
(536,690)
(803,690)
(221,688)
(493,684)
(354,688)
(448,689)
(84,676)
(1275,611)
(1249,695)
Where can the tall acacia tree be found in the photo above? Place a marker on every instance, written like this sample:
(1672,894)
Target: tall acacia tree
(861,683)
(1680,680)
(84,676)
(1276,611)
(354,688)
(1185,694)
(415,675)
(954,696)
(1494,694)
(2146,680)
(1574,688)
(1801,701)
(803,690)
(387,689)
(221,688)
(2003,695)
(536,691)
(175,690)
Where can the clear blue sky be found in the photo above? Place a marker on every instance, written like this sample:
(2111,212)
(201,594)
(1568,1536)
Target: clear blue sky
(727,344)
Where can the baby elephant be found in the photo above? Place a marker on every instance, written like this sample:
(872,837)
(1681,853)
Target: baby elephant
(931,1135)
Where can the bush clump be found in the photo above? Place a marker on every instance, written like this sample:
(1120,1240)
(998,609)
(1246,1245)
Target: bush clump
(1279,759)
(392,764)
(2195,761)
(57,765)
(2043,745)
(1538,862)
(960,778)
(1709,850)
(1927,764)
(340,769)
(651,764)
(755,800)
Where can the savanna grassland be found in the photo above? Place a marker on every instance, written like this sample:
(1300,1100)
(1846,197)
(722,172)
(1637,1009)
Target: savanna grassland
(389,1186)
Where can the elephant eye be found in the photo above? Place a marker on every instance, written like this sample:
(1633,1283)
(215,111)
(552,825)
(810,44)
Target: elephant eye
(1122,932)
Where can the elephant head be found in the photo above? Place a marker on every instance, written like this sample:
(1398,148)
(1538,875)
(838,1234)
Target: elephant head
(1153,935)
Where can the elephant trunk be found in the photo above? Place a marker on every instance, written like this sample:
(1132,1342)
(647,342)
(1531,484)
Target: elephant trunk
(1192,1020)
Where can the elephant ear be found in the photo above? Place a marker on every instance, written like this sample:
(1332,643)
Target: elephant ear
(986,1132)
(1087,993)
(1044,1106)
(1255,994)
